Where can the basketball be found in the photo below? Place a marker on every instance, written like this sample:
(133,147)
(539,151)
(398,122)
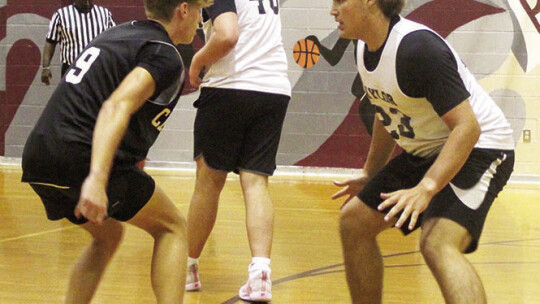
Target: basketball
(306,53)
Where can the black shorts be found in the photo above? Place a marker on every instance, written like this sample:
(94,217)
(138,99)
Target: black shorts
(239,130)
(129,189)
(466,200)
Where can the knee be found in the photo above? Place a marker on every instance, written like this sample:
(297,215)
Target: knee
(442,239)
(348,220)
(434,249)
(353,221)
(250,180)
(174,224)
(209,179)
(112,239)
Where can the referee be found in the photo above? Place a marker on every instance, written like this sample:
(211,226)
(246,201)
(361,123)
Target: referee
(74,26)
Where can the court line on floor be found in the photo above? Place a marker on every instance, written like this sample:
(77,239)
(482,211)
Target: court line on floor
(25,236)
(331,268)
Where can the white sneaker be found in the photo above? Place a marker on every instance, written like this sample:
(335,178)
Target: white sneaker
(258,287)
(193,282)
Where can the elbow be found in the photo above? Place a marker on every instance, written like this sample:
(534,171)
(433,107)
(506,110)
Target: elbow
(229,38)
(113,108)
(475,130)
(108,108)
(230,41)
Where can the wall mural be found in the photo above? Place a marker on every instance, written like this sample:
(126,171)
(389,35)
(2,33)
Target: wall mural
(347,146)
(329,122)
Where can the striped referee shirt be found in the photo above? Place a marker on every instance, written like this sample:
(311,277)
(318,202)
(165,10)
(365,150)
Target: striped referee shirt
(74,30)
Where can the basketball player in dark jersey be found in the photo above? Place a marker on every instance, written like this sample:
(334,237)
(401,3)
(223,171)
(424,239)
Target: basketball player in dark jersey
(458,152)
(101,120)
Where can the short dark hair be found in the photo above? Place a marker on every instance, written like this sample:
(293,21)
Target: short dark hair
(163,9)
(391,8)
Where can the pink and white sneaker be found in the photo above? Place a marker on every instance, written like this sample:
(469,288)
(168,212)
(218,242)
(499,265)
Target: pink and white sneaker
(258,287)
(193,282)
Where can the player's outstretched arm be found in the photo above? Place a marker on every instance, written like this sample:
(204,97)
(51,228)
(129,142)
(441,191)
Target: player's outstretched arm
(380,150)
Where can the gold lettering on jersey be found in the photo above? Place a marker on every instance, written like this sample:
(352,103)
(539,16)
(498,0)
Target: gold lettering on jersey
(159,120)
(380,95)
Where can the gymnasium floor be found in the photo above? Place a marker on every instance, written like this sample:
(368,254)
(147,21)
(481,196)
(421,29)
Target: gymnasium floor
(36,255)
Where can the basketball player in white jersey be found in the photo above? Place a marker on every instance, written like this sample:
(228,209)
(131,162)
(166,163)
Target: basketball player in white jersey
(458,152)
(240,112)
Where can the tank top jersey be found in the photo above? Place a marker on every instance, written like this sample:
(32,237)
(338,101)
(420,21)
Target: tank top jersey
(69,117)
(258,61)
(413,122)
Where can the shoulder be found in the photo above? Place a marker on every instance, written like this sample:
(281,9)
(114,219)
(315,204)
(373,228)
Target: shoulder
(422,43)
(424,46)
(64,10)
(60,15)
(166,51)
(102,8)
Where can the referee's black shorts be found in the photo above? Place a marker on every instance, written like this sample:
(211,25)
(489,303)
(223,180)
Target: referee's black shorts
(238,129)
(466,200)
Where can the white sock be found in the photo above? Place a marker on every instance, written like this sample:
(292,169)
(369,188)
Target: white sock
(259,262)
(191,261)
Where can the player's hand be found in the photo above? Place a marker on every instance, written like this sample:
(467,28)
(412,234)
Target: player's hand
(196,73)
(412,201)
(46,76)
(93,202)
(351,187)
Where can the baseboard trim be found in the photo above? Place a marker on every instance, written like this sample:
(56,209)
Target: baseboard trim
(293,172)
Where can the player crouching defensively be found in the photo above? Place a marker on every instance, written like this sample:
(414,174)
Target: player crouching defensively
(458,153)
(101,120)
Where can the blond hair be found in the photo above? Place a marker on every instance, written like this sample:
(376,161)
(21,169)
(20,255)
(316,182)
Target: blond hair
(163,9)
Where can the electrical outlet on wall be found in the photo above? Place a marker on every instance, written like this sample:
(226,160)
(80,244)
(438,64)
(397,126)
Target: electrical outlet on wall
(526,136)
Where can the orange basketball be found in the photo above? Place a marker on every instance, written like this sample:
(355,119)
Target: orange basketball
(306,53)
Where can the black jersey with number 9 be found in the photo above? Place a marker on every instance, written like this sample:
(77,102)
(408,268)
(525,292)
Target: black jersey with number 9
(62,137)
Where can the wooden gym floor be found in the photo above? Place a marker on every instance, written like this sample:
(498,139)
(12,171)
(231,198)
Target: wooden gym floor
(36,255)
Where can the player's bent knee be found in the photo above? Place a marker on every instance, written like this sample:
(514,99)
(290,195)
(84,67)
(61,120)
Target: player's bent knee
(108,235)
(351,218)
(442,236)
(179,225)
(434,249)
(117,234)
(174,223)
(357,217)
(159,216)
(431,251)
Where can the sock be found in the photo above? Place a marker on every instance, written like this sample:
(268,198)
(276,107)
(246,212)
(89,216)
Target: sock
(191,261)
(261,262)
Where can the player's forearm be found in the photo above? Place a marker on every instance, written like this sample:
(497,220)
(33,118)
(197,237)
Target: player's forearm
(111,125)
(453,155)
(216,48)
(381,148)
